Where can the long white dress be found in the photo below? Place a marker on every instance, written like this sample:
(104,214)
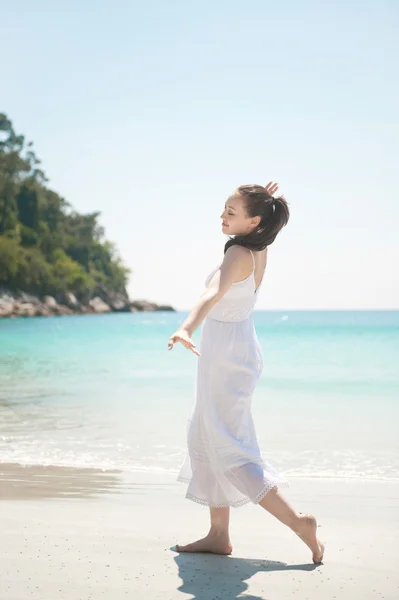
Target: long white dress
(224,466)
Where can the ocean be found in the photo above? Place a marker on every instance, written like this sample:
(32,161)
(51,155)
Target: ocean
(103,391)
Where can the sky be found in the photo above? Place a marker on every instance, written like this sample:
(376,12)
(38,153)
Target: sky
(154,112)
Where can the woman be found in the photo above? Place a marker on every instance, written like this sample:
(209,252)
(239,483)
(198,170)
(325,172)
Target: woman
(224,467)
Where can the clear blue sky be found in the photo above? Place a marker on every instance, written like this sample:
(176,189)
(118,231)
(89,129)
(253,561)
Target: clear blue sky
(153,112)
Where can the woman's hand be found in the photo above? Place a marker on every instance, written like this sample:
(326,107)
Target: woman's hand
(271,187)
(184,338)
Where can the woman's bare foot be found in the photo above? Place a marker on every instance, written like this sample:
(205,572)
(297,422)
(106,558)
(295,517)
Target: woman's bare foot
(214,542)
(307,532)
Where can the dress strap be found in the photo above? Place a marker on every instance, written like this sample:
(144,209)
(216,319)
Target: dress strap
(253,260)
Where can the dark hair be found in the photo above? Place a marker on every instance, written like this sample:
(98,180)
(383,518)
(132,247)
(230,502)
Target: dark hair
(273,212)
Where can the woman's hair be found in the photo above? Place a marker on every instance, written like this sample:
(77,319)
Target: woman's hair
(273,212)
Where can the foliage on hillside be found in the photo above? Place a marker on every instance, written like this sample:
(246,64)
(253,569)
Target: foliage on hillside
(45,246)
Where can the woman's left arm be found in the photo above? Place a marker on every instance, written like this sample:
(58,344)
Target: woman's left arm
(230,270)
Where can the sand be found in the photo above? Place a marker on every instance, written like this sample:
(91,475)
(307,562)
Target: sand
(83,534)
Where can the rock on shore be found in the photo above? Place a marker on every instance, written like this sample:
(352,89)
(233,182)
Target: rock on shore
(21,304)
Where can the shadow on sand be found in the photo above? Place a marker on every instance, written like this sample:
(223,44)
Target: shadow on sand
(210,577)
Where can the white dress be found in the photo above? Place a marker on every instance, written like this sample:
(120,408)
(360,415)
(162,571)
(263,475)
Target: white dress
(224,466)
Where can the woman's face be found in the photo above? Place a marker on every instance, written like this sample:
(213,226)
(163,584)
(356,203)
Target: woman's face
(234,217)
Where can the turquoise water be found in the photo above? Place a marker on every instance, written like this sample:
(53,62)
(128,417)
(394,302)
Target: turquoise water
(104,391)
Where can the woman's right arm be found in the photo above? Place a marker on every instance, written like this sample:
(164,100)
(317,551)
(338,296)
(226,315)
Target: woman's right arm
(234,263)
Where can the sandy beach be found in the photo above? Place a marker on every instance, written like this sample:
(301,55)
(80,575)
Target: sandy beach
(85,534)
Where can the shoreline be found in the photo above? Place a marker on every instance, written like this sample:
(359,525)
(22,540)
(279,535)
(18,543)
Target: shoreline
(141,472)
(20,304)
(80,314)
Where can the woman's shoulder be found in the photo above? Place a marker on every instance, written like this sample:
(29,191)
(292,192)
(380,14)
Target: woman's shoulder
(239,261)
(237,253)
(237,250)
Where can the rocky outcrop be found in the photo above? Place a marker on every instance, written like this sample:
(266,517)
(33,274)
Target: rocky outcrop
(21,304)
(68,299)
(145,306)
(99,306)
(116,301)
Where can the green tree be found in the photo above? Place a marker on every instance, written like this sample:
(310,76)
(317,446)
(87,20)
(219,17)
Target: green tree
(11,257)
(45,246)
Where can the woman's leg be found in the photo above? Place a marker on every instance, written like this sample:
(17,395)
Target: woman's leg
(303,525)
(217,541)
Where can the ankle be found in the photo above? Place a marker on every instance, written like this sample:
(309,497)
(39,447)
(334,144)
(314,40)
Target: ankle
(218,532)
(296,523)
(304,522)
